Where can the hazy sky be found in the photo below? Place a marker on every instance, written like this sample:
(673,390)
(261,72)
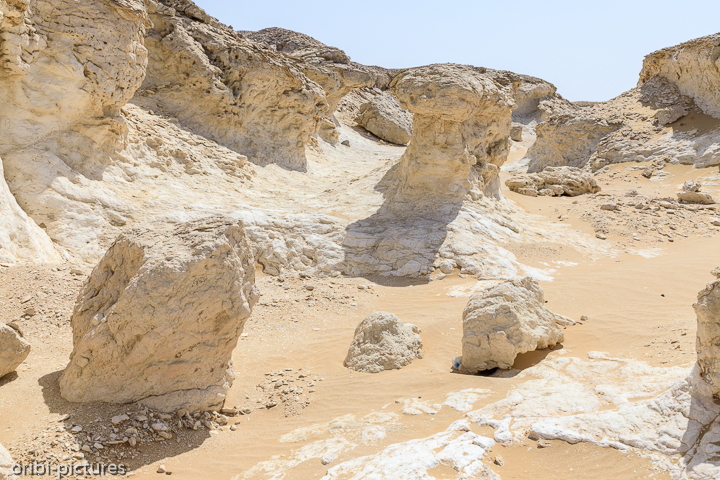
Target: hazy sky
(589,50)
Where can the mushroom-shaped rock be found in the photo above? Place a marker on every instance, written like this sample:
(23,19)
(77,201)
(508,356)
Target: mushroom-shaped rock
(14,349)
(504,321)
(383,342)
(569,181)
(384,118)
(160,315)
(461,129)
(707,309)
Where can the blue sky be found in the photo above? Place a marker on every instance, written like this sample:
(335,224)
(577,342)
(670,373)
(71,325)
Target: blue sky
(589,50)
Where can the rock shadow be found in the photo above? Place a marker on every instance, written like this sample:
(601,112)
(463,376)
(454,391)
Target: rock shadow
(95,419)
(404,236)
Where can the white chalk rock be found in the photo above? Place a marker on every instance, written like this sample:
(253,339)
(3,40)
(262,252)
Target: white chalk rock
(707,309)
(569,181)
(384,118)
(160,315)
(6,464)
(14,349)
(383,342)
(504,321)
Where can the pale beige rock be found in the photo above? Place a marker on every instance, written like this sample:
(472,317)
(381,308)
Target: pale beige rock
(14,349)
(329,67)
(249,98)
(624,129)
(160,315)
(693,66)
(569,181)
(707,309)
(6,464)
(383,342)
(384,118)
(691,194)
(461,128)
(507,320)
(20,236)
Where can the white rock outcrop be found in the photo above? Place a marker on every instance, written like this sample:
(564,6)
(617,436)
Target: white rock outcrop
(461,129)
(160,315)
(14,349)
(554,181)
(20,236)
(6,464)
(505,321)
(707,309)
(384,118)
(383,342)
(245,96)
(694,67)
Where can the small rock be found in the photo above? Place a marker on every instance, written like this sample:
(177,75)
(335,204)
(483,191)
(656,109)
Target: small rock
(600,236)
(159,427)
(118,419)
(345,142)
(270,405)
(165,435)
(30,311)
(98,446)
(543,444)
(76,271)
(26,299)
(609,207)
(132,441)
(533,436)
(231,412)
(233,428)
(498,460)
(715,221)
(76,429)
(161,469)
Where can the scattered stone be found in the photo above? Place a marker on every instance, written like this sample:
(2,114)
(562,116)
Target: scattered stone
(516,132)
(162,469)
(609,207)
(345,142)
(498,460)
(691,194)
(507,320)
(118,419)
(383,342)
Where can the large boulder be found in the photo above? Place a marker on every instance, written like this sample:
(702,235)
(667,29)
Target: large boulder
(505,321)
(384,118)
(707,309)
(554,181)
(383,342)
(6,464)
(160,315)
(461,130)
(14,349)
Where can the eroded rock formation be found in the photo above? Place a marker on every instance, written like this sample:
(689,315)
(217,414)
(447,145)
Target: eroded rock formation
(507,320)
(383,342)
(694,67)
(638,125)
(461,126)
(160,315)
(691,194)
(554,181)
(384,118)
(14,349)
(245,96)
(707,309)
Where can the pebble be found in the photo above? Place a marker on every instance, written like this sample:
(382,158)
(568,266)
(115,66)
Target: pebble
(498,460)
(233,428)
(161,469)
(533,436)
(76,429)
(118,419)
(160,427)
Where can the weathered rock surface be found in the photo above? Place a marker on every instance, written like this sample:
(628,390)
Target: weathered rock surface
(554,181)
(383,342)
(20,236)
(691,194)
(329,67)
(247,97)
(694,67)
(507,320)
(635,126)
(6,464)
(160,315)
(14,349)
(707,309)
(384,118)
(461,129)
